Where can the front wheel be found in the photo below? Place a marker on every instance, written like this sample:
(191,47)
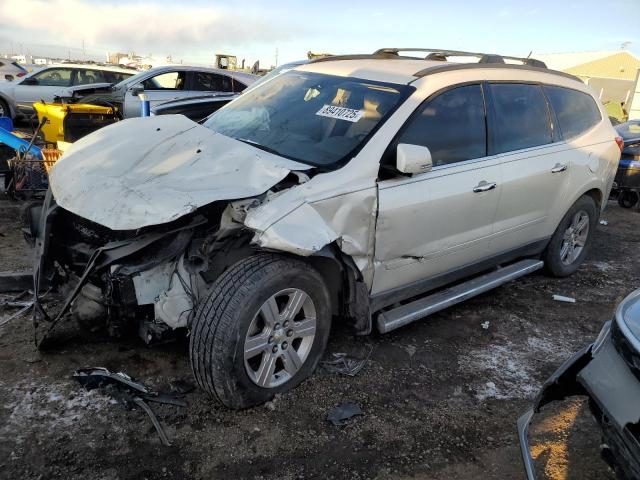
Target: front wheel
(571,240)
(261,330)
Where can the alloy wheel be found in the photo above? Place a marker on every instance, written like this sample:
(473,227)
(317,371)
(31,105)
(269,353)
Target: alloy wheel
(280,338)
(575,238)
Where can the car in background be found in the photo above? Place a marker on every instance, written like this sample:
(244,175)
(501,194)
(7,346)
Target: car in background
(608,373)
(167,83)
(626,186)
(17,97)
(9,70)
(200,107)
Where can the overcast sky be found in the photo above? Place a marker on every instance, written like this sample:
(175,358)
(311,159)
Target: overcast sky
(253,30)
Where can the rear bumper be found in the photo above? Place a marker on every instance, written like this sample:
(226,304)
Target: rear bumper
(603,375)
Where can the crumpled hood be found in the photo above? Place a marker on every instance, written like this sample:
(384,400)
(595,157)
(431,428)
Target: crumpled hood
(149,171)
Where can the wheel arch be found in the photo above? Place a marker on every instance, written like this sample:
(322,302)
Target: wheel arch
(348,292)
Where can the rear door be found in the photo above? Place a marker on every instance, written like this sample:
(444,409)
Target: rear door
(441,220)
(535,166)
(209,82)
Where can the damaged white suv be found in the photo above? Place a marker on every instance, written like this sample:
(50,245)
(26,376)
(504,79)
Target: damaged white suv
(371,189)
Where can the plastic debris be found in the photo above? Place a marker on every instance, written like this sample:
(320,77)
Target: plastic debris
(344,364)
(129,392)
(485,325)
(340,415)
(561,298)
(604,222)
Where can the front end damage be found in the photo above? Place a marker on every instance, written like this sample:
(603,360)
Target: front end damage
(151,277)
(608,374)
(140,241)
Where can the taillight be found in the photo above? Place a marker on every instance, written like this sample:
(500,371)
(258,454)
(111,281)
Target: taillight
(21,74)
(620,142)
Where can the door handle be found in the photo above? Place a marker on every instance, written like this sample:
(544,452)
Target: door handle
(560,167)
(484,187)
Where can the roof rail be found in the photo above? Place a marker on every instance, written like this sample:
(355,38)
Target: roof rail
(439,54)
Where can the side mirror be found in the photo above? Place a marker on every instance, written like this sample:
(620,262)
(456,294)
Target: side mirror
(136,90)
(413,158)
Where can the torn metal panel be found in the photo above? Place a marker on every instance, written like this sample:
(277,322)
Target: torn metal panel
(303,232)
(609,380)
(149,171)
(347,219)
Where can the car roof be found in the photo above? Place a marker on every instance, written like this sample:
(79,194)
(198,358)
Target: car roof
(92,66)
(405,70)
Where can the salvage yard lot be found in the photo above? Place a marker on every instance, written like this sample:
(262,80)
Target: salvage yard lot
(440,397)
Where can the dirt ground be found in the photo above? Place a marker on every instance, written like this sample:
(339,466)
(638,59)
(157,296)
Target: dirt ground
(440,397)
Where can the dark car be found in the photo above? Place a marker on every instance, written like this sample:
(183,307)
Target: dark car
(627,181)
(608,373)
(195,108)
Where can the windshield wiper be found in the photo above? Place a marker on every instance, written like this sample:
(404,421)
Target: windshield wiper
(261,147)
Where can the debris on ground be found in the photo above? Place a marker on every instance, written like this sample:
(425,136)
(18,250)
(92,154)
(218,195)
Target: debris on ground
(15,302)
(485,325)
(344,364)
(129,392)
(562,298)
(340,415)
(604,222)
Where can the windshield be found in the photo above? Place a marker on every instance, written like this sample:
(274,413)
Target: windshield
(313,118)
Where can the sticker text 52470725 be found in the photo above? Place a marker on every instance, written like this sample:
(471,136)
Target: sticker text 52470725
(341,113)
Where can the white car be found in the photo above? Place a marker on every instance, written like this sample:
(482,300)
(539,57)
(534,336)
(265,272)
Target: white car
(10,70)
(17,97)
(172,82)
(370,189)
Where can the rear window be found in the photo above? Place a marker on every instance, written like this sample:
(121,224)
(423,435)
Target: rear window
(576,111)
(521,117)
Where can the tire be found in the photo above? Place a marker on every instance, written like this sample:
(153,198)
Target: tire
(627,198)
(237,308)
(557,261)
(4,109)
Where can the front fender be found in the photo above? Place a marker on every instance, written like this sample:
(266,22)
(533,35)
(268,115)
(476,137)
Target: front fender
(302,232)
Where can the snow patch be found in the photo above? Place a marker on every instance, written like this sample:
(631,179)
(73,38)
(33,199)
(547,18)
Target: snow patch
(53,406)
(509,370)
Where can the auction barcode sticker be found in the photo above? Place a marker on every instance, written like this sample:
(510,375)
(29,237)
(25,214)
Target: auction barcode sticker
(341,113)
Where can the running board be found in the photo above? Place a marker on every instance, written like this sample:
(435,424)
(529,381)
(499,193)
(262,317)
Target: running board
(389,320)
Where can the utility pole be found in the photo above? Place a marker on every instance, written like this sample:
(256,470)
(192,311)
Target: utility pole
(276,56)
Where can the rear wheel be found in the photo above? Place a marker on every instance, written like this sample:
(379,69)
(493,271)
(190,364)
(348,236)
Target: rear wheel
(571,240)
(627,198)
(261,331)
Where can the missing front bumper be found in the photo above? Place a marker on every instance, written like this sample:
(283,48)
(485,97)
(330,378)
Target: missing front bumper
(600,373)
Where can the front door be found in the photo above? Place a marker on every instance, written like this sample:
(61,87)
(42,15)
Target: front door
(441,220)
(44,85)
(160,88)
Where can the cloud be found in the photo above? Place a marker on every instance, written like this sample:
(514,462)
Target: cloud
(147,26)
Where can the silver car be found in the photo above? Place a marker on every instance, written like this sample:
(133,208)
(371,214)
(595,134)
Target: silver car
(17,97)
(10,70)
(162,84)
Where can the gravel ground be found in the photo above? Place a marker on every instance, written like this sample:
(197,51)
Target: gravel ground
(440,397)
